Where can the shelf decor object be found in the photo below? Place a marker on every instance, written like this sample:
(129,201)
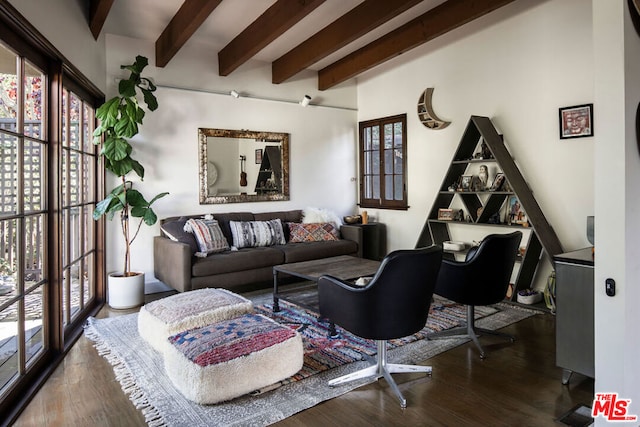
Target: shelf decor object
(426,114)
(481,145)
(269,180)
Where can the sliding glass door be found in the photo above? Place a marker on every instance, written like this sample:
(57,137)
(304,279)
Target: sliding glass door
(50,267)
(23,215)
(78,177)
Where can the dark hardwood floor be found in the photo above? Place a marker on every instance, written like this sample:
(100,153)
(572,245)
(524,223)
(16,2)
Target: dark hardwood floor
(516,385)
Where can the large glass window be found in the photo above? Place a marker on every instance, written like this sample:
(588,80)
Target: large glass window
(23,216)
(383,153)
(50,274)
(78,201)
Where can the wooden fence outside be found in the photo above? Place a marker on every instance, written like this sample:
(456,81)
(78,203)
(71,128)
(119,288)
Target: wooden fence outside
(32,225)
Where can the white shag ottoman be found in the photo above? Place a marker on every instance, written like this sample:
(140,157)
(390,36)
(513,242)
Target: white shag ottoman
(160,319)
(232,358)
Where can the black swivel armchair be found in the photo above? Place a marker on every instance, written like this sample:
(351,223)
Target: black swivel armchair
(394,304)
(482,279)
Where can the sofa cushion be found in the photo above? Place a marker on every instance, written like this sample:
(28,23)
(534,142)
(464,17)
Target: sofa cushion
(297,252)
(285,217)
(174,230)
(315,232)
(224,218)
(232,261)
(208,235)
(249,234)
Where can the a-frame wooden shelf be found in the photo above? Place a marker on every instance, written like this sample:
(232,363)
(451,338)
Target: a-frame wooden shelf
(269,180)
(487,208)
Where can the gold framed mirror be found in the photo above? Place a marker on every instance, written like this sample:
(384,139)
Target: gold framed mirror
(238,166)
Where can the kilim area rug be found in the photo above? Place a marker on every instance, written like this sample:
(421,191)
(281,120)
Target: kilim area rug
(140,369)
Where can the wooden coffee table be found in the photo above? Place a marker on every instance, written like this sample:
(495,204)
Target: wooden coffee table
(305,295)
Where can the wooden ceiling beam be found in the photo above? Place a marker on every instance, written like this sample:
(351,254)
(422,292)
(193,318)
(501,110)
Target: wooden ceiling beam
(98,12)
(363,18)
(281,16)
(434,23)
(185,22)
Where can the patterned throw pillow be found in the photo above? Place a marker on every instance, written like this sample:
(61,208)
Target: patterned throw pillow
(248,234)
(208,236)
(313,232)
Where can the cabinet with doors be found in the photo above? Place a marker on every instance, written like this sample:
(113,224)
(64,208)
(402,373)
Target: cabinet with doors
(483,188)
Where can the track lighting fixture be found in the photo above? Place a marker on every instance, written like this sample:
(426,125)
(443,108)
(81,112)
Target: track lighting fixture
(305,101)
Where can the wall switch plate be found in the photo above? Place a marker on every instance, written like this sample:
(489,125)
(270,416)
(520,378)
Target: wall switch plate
(610,287)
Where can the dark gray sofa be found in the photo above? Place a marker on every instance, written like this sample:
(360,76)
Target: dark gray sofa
(246,268)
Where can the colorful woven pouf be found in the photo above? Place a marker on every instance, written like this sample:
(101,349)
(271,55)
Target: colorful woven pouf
(160,319)
(232,358)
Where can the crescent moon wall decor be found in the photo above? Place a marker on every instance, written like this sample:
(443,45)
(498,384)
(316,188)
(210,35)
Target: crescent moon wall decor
(426,114)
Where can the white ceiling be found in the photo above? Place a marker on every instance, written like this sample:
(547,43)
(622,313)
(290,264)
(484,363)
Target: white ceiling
(146,19)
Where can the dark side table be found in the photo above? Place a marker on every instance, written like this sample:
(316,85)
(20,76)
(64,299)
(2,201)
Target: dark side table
(374,239)
(574,313)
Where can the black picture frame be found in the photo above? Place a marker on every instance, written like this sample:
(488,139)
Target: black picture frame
(576,121)
(498,182)
(258,159)
(465,182)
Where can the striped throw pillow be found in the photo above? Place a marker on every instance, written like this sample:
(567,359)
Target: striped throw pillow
(247,234)
(208,236)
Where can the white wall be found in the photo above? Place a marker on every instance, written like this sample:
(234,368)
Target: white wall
(516,66)
(617,168)
(322,140)
(67,29)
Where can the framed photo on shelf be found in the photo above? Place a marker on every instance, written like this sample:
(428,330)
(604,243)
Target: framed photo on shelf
(465,182)
(516,215)
(445,214)
(258,156)
(498,182)
(576,121)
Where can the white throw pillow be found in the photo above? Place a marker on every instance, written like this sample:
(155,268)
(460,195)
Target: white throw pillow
(316,215)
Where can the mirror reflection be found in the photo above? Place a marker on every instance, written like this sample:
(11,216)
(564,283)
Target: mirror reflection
(243,166)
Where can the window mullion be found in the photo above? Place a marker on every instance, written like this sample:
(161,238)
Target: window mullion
(383,166)
(20,221)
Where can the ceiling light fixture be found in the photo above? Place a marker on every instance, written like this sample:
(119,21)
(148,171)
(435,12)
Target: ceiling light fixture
(305,101)
(234,94)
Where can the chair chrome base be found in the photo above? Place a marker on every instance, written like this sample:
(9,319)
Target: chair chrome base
(470,331)
(382,369)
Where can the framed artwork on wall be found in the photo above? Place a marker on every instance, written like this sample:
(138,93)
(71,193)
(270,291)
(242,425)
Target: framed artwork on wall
(258,156)
(576,121)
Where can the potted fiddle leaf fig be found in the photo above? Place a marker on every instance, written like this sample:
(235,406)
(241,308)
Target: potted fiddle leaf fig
(120,118)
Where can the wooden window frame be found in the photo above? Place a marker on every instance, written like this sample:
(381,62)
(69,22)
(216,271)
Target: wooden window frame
(19,35)
(381,202)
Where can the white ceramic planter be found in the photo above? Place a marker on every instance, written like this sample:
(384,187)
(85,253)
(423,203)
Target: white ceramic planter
(125,292)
